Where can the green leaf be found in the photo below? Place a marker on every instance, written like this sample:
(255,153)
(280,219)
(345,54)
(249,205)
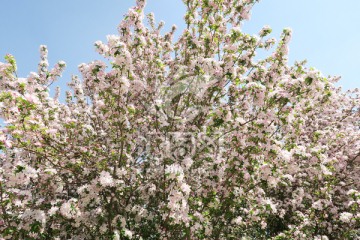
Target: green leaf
(308,80)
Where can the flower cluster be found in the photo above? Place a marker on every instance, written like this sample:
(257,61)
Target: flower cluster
(188,138)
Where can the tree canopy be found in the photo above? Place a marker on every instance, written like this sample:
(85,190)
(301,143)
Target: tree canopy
(187,138)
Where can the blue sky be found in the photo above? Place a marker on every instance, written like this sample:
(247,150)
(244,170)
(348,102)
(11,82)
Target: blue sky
(325,32)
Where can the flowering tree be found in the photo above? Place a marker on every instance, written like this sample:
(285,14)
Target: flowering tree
(185,139)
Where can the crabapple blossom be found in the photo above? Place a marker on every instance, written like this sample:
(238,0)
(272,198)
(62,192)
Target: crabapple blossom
(180,138)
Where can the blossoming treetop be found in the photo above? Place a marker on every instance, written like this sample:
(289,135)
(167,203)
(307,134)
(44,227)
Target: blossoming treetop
(180,139)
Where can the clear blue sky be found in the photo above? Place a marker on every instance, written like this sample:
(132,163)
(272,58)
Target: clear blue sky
(325,32)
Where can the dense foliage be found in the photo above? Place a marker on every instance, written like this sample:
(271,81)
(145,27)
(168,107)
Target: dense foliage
(193,138)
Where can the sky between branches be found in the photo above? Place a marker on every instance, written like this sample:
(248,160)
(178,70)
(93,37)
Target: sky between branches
(325,32)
